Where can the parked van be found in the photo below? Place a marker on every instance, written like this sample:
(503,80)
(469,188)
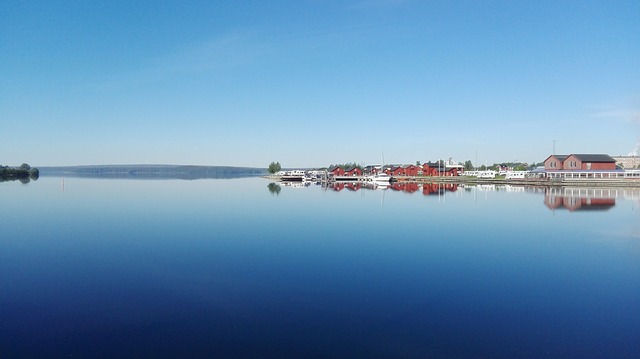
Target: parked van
(516,174)
(487,174)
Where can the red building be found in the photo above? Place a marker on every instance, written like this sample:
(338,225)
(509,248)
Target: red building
(554,162)
(397,171)
(440,169)
(580,162)
(353,171)
(430,169)
(412,170)
(336,171)
(451,172)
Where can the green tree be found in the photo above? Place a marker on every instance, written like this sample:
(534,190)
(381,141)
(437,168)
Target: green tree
(468,166)
(34,173)
(274,167)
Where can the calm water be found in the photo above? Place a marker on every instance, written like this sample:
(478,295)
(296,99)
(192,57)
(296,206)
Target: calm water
(231,269)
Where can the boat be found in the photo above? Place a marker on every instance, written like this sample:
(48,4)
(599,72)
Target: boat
(380,178)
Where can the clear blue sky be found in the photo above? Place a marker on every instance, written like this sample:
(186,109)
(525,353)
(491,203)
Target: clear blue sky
(312,83)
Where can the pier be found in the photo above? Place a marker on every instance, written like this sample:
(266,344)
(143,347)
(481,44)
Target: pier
(594,181)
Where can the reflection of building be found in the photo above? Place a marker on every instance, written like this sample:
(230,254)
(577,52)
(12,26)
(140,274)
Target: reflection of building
(579,204)
(339,186)
(409,187)
(580,199)
(438,188)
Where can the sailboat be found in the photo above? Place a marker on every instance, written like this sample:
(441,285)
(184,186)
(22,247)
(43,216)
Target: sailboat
(380,178)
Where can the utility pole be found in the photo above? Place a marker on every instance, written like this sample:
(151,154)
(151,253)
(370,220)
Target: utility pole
(476,162)
(554,147)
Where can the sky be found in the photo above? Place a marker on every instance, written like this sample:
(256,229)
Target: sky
(309,83)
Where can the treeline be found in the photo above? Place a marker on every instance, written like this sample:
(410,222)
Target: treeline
(346,166)
(154,171)
(24,173)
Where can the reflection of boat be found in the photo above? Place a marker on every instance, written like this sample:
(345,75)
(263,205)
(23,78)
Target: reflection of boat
(296,184)
(381,186)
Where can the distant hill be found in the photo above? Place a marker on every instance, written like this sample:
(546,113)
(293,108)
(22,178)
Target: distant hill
(153,171)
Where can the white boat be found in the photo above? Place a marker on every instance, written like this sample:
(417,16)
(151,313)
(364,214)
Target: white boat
(380,178)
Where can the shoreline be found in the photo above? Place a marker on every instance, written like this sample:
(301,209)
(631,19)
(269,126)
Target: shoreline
(622,182)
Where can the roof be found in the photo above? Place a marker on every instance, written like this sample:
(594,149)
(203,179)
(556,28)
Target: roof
(560,158)
(433,164)
(594,158)
(586,157)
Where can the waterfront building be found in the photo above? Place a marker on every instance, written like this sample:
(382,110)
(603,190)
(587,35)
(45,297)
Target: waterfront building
(628,162)
(577,162)
(583,166)
(353,171)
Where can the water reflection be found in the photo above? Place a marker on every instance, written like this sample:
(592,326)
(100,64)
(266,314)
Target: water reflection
(407,187)
(572,204)
(110,268)
(21,179)
(274,188)
(568,198)
(587,199)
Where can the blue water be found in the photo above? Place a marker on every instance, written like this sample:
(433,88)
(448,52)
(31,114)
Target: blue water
(101,268)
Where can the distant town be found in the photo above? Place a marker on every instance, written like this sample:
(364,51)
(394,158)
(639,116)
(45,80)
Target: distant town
(554,169)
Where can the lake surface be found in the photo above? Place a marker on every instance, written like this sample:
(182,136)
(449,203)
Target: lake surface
(101,268)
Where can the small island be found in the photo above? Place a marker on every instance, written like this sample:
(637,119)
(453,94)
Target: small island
(24,173)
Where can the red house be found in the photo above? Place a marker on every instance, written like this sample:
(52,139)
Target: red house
(554,162)
(412,170)
(430,169)
(353,171)
(337,171)
(397,171)
(451,172)
(438,169)
(580,162)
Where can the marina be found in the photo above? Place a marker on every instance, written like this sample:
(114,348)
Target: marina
(558,170)
(630,178)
